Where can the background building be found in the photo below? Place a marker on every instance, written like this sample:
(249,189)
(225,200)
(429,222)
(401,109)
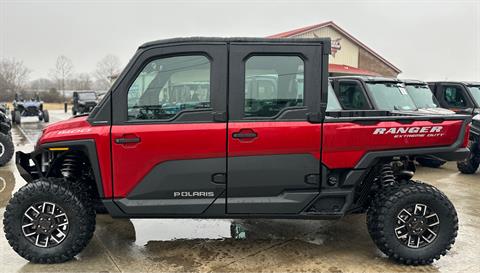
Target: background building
(349,55)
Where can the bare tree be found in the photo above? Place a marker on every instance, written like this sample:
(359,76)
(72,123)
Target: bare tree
(13,76)
(107,69)
(62,72)
(41,84)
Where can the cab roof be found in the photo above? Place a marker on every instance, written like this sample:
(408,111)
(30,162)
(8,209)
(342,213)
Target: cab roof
(468,83)
(181,40)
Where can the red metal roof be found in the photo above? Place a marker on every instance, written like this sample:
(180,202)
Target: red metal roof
(346,69)
(339,29)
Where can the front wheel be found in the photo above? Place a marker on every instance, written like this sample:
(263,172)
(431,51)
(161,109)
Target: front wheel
(48,222)
(46,116)
(413,223)
(471,163)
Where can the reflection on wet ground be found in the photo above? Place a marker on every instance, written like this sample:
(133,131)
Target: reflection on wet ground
(154,245)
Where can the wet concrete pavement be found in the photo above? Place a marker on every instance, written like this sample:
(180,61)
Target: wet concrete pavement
(121,245)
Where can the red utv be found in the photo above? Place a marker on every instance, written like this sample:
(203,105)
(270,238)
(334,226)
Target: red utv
(234,148)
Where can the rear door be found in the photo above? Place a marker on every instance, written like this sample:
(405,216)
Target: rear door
(168,134)
(273,149)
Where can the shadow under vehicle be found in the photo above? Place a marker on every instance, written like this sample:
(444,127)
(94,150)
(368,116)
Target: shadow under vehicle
(390,94)
(463,98)
(84,102)
(233,152)
(28,108)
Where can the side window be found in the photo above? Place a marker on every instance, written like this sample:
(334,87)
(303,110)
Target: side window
(272,83)
(454,96)
(169,85)
(351,96)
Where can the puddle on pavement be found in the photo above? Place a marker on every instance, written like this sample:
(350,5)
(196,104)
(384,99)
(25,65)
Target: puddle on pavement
(148,230)
(7,185)
(172,229)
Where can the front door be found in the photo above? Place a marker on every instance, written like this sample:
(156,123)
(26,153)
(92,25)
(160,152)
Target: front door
(273,149)
(168,134)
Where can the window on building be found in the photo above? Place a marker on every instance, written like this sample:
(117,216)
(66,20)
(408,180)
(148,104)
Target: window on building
(168,86)
(272,83)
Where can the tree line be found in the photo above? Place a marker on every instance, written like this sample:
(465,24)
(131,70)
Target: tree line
(15,78)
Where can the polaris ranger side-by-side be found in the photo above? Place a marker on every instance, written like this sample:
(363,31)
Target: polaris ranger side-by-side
(233,151)
(390,94)
(463,98)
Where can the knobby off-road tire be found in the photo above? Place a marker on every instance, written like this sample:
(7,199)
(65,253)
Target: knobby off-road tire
(17,117)
(6,149)
(430,162)
(384,221)
(470,164)
(68,201)
(46,116)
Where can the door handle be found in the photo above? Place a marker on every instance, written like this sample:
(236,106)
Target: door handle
(245,133)
(127,140)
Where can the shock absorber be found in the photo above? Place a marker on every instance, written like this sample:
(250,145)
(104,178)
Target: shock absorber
(70,167)
(386,175)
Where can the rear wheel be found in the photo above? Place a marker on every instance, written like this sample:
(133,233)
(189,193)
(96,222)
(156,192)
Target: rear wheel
(413,223)
(46,116)
(17,117)
(6,149)
(48,221)
(430,162)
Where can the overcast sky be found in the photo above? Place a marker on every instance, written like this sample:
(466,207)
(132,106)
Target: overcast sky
(426,39)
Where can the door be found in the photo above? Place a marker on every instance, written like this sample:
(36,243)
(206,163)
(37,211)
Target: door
(168,134)
(454,97)
(273,149)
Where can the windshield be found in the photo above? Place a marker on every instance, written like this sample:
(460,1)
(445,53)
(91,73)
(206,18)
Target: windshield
(87,96)
(475,91)
(332,102)
(391,96)
(422,96)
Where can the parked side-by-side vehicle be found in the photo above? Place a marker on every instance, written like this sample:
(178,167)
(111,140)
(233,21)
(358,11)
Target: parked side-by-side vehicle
(411,97)
(257,141)
(83,102)
(32,107)
(463,98)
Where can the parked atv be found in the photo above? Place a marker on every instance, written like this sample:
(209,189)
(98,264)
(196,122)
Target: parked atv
(6,144)
(83,102)
(28,108)
(463,98)
(261,152)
